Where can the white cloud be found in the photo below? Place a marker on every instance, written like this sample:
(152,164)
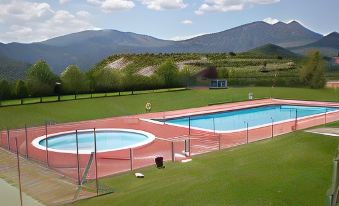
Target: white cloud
(229,5)
(271,20)
(113,5)
(21,10)
(83,14)
(181,38)
(63,1)
(24,21)
(263,1)
(187,21)
(164,4)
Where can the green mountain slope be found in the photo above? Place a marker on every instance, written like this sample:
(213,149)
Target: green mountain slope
(328,46)
(12,69)
(272,50)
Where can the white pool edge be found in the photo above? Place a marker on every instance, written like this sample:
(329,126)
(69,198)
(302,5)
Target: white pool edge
(150,139)
(238,130)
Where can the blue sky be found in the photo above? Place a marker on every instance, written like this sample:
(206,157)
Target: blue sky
(36,20)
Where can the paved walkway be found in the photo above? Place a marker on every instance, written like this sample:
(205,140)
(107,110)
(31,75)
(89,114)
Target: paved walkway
(39,182)
(325,131)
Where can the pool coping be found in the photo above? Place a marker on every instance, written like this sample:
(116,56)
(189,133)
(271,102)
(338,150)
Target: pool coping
(150,138)
(230,109)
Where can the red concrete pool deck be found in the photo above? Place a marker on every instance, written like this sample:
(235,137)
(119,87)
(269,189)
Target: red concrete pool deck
(169,138)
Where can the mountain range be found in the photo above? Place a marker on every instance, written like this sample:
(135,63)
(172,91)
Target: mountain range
(328,45)
(87,48)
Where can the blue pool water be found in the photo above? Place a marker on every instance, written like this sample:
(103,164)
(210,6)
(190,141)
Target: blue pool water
(254,117)
(106,141)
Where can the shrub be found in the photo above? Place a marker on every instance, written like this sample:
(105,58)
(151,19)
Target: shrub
(312,73)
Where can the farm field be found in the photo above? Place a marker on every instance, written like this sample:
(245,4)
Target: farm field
(241,65)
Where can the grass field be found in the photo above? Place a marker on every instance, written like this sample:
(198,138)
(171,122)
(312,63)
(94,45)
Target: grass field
(86,109)
(294,169)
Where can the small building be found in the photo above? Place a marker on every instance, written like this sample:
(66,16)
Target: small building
(335,61)
(332,84)
(218,84)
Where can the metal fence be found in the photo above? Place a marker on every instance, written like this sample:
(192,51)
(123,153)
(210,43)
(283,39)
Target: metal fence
(88,169)
(332,195)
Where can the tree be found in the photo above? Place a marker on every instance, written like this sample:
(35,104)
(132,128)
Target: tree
(313,71)
(21,89)
(5,90)
(73,81)
(186,75)
(168,71)
(223,73)
(232,54)
(104,80)
(264,67)
(40,79)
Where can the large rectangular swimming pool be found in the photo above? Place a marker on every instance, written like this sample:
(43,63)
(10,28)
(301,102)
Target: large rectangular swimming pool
(238,120)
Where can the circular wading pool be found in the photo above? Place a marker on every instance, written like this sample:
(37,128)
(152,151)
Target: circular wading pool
(107,140)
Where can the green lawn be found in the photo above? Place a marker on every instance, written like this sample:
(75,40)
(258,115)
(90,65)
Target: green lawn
(86,109)
(294,169)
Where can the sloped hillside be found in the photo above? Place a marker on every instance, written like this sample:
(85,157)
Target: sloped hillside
(272,50)
(12,70)
(328,46)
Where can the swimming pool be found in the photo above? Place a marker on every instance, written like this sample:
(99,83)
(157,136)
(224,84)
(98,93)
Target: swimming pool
(238,120)
(106,139)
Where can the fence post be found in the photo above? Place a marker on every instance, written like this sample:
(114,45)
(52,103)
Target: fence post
(189,125)
(78,162)
(272,127)
(19,172)
(296,119)
(219,141)
(173,155)
(326,116)
(9,145)
(247,132)
(1,142)
(131,158)
(46,132)
(213,125)
(189,146)
(26,141)
(96,163)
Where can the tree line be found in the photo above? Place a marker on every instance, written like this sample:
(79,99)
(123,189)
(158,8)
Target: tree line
(41,81)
